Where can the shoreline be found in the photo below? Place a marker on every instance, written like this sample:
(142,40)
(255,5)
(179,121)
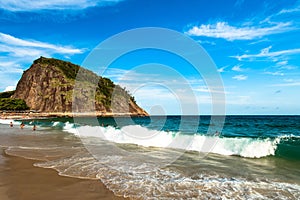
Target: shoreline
(19,179)
(34,115)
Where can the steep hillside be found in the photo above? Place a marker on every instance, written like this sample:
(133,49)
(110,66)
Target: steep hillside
(48,86)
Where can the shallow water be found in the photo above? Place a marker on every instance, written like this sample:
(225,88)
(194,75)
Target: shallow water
(256,157)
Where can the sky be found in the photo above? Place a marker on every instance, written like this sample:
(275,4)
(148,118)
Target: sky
(254,45)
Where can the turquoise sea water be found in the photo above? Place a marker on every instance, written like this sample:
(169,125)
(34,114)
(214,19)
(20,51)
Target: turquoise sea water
(168,157)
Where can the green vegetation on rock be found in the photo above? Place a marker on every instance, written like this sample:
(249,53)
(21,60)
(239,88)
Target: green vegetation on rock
(69,69)
(52,85)
(7,103)
(105,87)
(6,94)
(13,104)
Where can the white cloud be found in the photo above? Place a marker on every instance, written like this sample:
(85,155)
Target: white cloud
(16,53)
(287,84)
(265,53)
(8,43)
(34,5)
(114,74)
(259,41)
(18,50)
(265,50)
(204,89)
(285,62)
(222,69)
(171,91)
(171,101)
(7,79)
(227,32)
(238,3)
(10,67)
(10,88)
(6,64)
(240,77)
(237,68)
(206,42)
(283,65)
(288,67)
(277,73)
(292,10)
(26,53)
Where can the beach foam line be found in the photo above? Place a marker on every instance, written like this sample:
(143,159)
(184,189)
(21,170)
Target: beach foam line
(136,134)
(7,121)
(167,183)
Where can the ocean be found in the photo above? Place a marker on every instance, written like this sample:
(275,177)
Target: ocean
(168,157)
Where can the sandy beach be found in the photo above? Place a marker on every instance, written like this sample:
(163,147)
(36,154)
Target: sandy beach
(38,164)
(31,115)
(19,179)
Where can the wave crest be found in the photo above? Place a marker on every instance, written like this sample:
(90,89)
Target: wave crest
(136,134)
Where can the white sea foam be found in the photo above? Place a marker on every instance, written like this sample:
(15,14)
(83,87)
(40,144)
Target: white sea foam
(168,183)
(135,134)
(138,179)
(7,121)
(70,127)
(56,124)
(245,147)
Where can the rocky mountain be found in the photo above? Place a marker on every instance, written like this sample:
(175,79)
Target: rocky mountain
(52,85)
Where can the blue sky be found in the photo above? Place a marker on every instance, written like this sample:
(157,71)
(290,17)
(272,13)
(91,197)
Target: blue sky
(254,44)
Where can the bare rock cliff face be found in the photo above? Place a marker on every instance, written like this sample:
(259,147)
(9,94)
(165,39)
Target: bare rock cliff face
(39,89)
(48,85)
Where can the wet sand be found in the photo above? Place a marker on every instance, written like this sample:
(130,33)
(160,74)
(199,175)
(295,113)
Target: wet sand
(19,179)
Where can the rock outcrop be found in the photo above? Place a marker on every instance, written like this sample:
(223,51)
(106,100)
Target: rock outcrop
(52,85)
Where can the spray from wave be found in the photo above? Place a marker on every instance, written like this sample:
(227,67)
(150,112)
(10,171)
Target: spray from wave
(189,177)
(136,134)
(7,121)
